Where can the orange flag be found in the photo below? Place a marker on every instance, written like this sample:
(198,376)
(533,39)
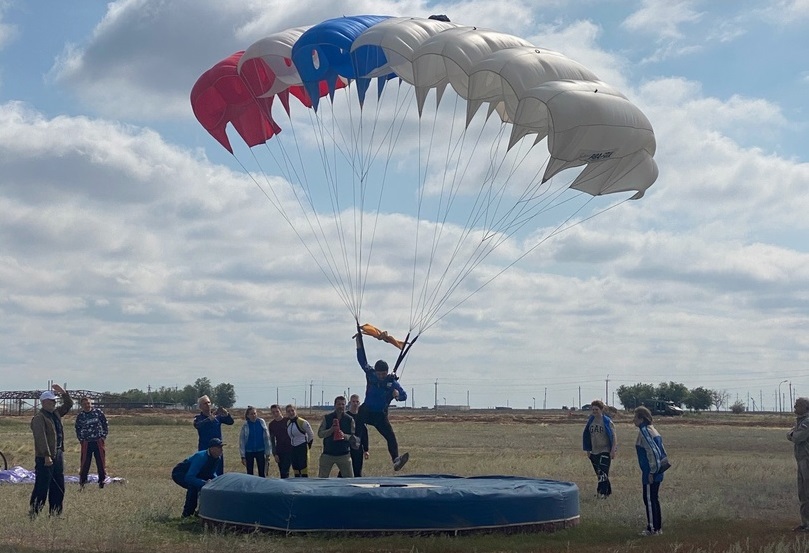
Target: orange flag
(370,330)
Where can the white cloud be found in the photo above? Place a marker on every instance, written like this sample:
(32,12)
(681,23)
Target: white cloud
(663,18)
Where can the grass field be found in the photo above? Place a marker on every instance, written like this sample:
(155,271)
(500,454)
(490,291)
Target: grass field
(732,488)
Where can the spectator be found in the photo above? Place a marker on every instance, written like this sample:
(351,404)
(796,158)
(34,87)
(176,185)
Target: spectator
(649,446)
(301,437)
(799,436)
(600,444)
(49,448)
(254,442)
(198,469)
(280,442)
(91,431)
(209,426)
(336,430)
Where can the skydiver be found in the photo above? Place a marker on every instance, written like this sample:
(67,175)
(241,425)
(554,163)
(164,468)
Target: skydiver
(380,389)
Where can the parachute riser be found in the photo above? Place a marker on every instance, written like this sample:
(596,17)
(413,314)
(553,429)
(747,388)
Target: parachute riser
(404,351)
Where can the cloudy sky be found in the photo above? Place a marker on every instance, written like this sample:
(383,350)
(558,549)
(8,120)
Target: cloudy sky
(135,251)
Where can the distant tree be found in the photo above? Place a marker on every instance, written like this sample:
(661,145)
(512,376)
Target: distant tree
(224,395)
(720,398)
(699,399)
(672,391)
(188,396)
(631,396)
(135,396)
(203,386)
(738,407)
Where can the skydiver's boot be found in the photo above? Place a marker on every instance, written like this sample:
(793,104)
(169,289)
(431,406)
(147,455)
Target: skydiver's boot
(400,461)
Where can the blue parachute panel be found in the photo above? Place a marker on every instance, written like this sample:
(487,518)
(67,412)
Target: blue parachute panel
(323,53)
(421,503)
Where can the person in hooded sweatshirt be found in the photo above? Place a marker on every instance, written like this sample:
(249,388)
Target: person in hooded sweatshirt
(600,445)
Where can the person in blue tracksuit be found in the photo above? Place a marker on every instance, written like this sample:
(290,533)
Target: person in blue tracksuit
(380,389)
(649,446)
(193,473)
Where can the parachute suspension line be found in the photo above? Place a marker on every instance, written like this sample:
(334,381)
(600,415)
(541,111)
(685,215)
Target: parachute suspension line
(435,301)
(318,231)
(445,201)
(558,230)
(333,180)
(423,165)
(390,136)
(276,203)
(416,299)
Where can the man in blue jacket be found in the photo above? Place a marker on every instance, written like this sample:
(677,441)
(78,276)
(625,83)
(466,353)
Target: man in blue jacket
(209,425)
(196,471)
(380,389)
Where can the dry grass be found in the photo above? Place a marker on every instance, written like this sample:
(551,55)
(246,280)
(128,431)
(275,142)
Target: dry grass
(732,488)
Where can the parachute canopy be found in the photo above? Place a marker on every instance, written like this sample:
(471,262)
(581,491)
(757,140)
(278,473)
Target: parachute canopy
(473,174)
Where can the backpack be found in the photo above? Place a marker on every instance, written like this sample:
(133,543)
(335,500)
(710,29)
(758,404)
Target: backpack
(179,471)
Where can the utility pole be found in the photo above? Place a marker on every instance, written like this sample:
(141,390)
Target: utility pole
(579,396)
(467,399)
(277,402)
(791,400)
(436,393)
(535,403)
(545,400)
(311,397)
(413,398)
(607,388)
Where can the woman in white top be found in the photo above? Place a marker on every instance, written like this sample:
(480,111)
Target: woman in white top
(301,435)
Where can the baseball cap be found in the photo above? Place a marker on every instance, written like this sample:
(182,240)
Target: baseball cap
(48,395)
(216,442)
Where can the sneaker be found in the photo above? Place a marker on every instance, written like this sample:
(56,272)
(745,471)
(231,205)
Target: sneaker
(801,528)
(400,461)
(648,532)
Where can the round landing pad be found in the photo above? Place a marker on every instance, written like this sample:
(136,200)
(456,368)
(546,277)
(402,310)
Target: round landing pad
(420,503)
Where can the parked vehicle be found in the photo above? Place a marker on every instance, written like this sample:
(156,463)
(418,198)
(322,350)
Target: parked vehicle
(661,407)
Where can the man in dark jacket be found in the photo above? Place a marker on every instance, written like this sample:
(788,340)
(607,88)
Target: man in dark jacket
(91,431)
(380,389)
(359,450)
(49,447)
(336,429)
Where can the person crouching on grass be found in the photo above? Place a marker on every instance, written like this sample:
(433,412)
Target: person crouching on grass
(649,446)
(195,471)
